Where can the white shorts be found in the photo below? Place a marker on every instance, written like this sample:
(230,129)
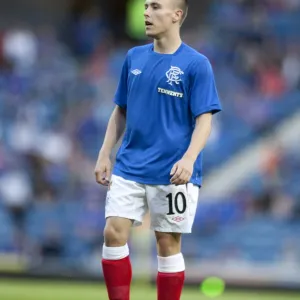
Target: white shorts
(172,208)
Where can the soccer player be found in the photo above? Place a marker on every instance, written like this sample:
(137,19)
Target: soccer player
(164,102)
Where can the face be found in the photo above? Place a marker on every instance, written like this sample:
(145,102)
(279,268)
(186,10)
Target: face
(160,17)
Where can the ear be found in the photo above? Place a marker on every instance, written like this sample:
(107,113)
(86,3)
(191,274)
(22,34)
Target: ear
(177,15)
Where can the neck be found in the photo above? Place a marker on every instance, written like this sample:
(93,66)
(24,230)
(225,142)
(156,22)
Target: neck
(167,44)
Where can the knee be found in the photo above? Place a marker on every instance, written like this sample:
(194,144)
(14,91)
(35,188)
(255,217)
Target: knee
(168,244)
(115,235)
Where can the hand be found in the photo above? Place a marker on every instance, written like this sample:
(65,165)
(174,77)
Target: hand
(182,171)
(103,170)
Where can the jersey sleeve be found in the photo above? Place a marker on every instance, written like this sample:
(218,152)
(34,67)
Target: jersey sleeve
(204,96)
(121,94)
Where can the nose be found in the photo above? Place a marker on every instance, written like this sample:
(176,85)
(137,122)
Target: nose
(146,13)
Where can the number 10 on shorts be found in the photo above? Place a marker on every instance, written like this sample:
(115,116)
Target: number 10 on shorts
(177,203)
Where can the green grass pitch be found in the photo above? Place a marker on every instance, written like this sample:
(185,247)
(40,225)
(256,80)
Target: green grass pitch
(37,290)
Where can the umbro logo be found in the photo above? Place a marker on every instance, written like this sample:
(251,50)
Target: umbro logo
(178,219)
(136,72)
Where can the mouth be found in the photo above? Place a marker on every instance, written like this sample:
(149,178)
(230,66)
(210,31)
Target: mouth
(147,23)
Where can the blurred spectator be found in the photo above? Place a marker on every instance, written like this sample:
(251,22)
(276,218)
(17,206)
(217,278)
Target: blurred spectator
(16,195)
(20,48)
(89,31)
(291,67)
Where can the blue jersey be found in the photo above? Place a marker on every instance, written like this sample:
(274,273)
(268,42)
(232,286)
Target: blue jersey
(162,95)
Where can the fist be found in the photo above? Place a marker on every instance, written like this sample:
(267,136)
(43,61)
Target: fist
(103,170)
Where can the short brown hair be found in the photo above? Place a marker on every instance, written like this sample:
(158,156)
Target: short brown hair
(184,5)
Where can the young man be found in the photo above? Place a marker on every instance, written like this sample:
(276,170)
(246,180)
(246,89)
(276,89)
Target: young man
(166,98)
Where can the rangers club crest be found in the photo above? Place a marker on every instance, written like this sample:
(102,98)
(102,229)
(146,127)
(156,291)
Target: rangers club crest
(173,75)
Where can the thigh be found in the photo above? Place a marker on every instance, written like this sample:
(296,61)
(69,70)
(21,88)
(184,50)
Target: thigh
(172,208)
(126,199)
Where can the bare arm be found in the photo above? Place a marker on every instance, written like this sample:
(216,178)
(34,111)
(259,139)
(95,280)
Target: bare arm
(183,169)
(115,128)
(114,131)
(200,135)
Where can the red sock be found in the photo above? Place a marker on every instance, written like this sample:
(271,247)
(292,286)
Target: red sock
(117,275)
(170,277)
(169,285)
